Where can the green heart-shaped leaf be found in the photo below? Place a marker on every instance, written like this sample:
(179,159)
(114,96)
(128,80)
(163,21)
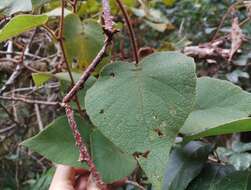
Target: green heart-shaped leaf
(141,108)
(57,143)
(221,108)
(82,41)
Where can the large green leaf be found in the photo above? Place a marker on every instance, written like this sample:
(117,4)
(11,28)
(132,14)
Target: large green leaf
(82,41)
(111,162)
(9,7)
(220,177)
(57,143)
(221,108)
(20,24)
(210,176)
(141,108)
(184,164)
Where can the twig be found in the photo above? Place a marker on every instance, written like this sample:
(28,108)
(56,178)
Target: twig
(131,31)
(11,116)
(39,119)
(29,101)
(135,184)
(83,151)
(13,77)
(14,109)
(74,4)
(20,53)
(19,67)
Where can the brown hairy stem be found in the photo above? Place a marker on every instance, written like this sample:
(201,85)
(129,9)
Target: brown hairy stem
(83,151)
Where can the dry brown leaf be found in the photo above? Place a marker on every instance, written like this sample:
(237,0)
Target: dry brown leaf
(237,37)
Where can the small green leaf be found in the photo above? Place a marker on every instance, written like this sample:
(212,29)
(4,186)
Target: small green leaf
(210,177)
(119,165)
(221,108)
(9,7)
(184,164)
(40,78)
(20,24)
(169,2)
(141,108)
(82,41)
(57,143)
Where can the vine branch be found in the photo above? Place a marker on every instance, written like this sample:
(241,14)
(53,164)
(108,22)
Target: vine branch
(131,31)
(83,151)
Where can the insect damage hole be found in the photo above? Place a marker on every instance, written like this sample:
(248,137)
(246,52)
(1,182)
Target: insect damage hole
(112,75)
(159,132)
(141,154)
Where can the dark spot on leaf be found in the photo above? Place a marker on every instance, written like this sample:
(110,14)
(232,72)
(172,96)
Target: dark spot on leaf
(101,111)
(141,154)
(112,75)
(159,132)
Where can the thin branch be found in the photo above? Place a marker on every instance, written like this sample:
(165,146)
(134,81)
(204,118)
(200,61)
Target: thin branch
(29,101)
(83,151)
(52,34)
(131,31)
(74,4)
(135,184)
(39,118)
(11,116)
